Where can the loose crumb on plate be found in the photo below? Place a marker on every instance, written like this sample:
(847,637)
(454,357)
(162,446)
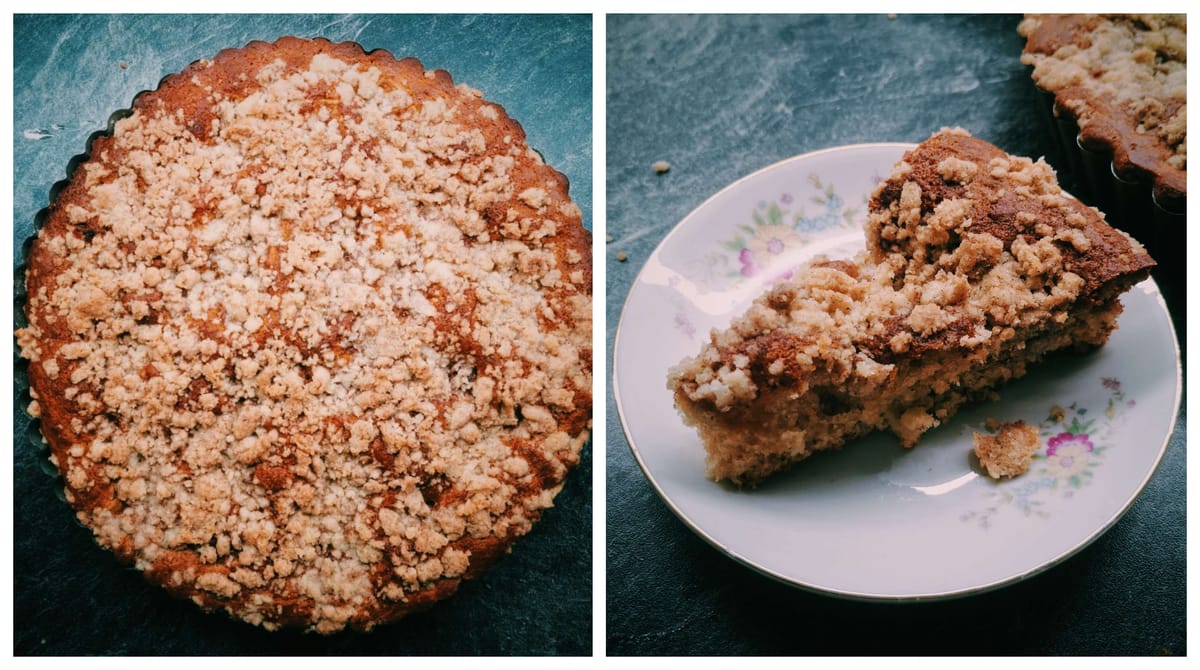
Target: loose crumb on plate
(1009,451)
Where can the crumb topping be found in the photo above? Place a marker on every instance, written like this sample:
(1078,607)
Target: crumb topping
(320,344)
(965,245)
(1118,75)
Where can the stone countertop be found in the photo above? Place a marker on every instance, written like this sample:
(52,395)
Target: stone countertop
(70,73)
(720,97)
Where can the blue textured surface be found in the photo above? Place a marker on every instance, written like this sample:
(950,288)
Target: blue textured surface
(720,97)
(70,73)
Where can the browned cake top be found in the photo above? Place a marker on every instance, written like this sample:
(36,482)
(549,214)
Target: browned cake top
(1124,80)
(983,191)
(966,247)
(310,334)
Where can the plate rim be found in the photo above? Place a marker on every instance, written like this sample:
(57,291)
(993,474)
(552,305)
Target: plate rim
(862,595)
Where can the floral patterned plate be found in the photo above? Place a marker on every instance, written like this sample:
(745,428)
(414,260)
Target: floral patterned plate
(876,521)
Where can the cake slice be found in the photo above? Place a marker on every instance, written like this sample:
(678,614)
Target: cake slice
(976,265)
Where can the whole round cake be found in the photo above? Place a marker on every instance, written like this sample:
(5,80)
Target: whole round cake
(310,335)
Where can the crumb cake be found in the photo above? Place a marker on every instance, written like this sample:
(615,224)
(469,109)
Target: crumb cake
(309,335)
(1008,451)
(976,265)
(1123,80)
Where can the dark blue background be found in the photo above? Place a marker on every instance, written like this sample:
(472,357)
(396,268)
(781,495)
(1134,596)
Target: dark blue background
(71,597)
(720,97)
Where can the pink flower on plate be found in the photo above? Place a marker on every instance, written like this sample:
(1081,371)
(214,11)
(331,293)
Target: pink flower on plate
(761,249)
(1066,440)
(746,258)
(684,324)
(1067,454)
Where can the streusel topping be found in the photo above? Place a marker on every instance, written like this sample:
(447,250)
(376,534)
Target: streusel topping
(317,332)
(1119,76)
(966,246)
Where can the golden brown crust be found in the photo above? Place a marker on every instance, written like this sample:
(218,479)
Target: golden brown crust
(1122,79)
(310,335)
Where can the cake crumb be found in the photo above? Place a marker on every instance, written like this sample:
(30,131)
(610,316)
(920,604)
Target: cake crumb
(622,256)
(955,169)
(1008,452)
(609,238)
(661,166)
(122,65)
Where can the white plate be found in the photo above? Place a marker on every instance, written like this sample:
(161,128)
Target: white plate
(876,521)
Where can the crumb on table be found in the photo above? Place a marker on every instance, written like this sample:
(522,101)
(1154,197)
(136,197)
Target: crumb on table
(622,256)
(661,166)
